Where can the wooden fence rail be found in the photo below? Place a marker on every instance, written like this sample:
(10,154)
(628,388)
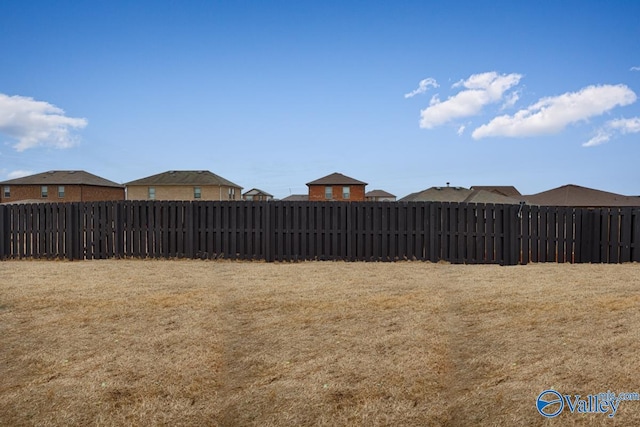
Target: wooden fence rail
(291,231)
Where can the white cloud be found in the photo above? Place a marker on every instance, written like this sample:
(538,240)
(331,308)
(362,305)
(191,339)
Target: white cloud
(612,128)
(553,114)
(626,125)
(423,86)
(510,100)
(601,137)
(635,69)
(481,89)
(19,174)
(36,123)
(461,130)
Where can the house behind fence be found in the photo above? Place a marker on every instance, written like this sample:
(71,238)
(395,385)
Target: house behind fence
(60,186)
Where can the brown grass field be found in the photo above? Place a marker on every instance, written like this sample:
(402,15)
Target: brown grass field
(189,343)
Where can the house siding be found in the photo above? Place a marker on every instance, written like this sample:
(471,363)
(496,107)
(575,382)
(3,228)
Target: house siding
(181,192)
(316,193)
(72,193)
(257,198)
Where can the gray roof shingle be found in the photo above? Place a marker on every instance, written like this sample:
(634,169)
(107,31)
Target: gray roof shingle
(200,177)
(577,196)
(460,195)
(72,177)
(378,193)
(505,190)
(336,179)
(296,198)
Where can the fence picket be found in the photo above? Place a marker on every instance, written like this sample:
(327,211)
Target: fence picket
(635,233)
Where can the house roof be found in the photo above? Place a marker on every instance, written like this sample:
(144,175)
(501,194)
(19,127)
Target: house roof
(296,198)
(505,190)
(577,196)
(72,177)
(439,194)
(184,178)
(484,196)
(257,192)
(378,193)
(460,195)
(336,179)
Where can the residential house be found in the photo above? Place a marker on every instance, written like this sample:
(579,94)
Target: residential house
(379,196)
(60,186)
(459,195)
(183,185)
(577,196)
(336,187)
(257,195)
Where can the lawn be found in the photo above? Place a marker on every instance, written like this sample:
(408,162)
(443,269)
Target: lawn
(141,342)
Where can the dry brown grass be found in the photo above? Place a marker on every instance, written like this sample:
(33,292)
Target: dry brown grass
(222,343)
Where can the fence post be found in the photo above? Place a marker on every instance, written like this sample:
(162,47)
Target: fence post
(118,231)
(514,235)
(4,232)
(504,240)
(71,235)
(635,232)
(269,231)
(189,224)
(625,234)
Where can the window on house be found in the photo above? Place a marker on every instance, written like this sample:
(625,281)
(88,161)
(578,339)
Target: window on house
(328,192)
(44,191)
(346,192)
(197,193)
(152,193)
(7,191)
(61,191)
(232,193)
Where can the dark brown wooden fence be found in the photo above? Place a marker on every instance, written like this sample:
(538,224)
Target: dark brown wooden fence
(290,231)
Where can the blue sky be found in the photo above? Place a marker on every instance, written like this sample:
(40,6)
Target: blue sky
(402,95)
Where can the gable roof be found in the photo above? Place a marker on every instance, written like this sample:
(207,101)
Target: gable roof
(439,194)
(72,177)
(336,179)
(296,198)
(505,190)
(484,196)
(459,195)
(184,178)
(257,192)
(577,196)
(378,193)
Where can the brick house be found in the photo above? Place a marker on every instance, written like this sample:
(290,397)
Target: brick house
(183,185)
(60,186)
(336,187)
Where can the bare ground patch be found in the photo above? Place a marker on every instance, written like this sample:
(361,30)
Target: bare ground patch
(317,343)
